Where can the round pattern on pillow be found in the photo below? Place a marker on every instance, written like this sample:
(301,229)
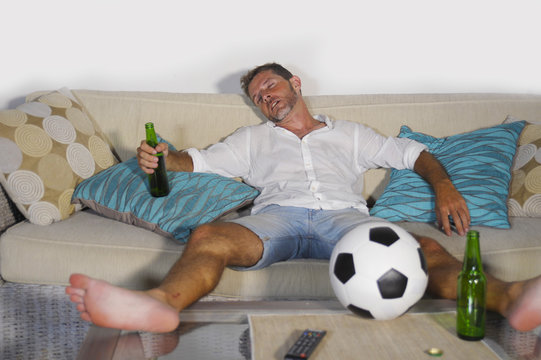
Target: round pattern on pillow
(43,213)
(26,186)
(524,154)
(532,182)
(12,117)
(530,134)
(64,203)
(80,160)
(513,207)
(11,158)
(33,140)
(525,189)
(532,205)
(35,109)
(100,152)
(60,129)
(48,147)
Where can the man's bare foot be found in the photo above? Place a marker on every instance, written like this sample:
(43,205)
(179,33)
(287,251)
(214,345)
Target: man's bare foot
(110,306)
(525,312)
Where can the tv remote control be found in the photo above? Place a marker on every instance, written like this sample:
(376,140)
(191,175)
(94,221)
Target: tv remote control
(305,345)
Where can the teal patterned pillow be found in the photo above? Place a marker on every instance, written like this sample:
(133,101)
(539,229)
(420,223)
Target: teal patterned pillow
(121,192)
(478,163)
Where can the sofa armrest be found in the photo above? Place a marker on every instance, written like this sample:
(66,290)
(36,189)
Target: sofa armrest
(9,214)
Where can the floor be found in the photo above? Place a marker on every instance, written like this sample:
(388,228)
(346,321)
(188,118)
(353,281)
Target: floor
(39,322)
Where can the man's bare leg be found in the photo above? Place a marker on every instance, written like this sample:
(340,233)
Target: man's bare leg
(210,249)
(519,301)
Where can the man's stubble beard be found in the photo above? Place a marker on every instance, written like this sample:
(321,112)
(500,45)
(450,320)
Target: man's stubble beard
(290,101)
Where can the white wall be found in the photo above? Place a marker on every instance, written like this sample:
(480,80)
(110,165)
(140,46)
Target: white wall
(337,47)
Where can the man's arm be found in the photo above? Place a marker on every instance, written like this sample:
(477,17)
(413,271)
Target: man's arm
(448,200)
(175,160)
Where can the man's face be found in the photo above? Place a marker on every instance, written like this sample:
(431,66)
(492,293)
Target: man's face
(273,95)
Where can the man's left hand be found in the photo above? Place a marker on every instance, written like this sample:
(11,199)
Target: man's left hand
(449,202)
(451,206)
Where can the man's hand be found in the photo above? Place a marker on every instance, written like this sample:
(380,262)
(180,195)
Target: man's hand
(145,156)
(449,202)
(176,160)
(451,205)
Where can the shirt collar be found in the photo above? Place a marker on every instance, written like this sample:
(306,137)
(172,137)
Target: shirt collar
(324,118)
(320,117)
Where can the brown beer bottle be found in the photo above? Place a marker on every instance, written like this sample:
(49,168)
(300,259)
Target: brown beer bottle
(159,185)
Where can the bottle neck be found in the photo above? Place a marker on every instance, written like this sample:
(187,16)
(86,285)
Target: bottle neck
(472,254)
(151,137)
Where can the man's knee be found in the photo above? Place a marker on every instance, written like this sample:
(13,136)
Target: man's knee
(435,254)
(429,245)
(202,232)
(229,240)
(205,236)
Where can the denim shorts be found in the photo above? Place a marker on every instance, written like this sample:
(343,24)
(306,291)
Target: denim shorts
(296,233)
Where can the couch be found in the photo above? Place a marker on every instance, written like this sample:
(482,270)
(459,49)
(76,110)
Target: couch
(135,257)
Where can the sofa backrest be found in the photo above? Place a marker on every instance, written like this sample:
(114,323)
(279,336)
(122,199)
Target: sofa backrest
(198,120)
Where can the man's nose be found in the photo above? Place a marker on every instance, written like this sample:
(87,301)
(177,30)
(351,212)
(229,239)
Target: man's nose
(266,96)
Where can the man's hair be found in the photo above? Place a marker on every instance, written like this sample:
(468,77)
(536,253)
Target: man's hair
(274,67)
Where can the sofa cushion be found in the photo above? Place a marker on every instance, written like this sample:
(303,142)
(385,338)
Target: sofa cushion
(525,191)
(130,256)
(48,146)
(477,162)
(507,254)
(121,193)
(136,258)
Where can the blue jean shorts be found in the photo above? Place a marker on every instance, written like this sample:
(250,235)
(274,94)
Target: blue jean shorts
(296,233)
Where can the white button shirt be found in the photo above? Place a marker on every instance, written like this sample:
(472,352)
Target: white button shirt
(323,170)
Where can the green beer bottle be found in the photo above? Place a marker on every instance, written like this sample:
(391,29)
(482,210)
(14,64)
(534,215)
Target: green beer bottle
(159,185)
(471,292)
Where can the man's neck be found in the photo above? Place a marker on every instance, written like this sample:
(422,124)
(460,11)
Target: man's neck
(300,122)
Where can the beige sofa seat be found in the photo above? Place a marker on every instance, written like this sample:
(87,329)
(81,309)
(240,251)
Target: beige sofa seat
(136,258)
(133,257)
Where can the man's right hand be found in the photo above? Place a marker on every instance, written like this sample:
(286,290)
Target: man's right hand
(145,156)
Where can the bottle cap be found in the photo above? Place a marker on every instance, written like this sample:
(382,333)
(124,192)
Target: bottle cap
(434,351)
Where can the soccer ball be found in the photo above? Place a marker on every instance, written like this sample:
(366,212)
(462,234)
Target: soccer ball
(378,270)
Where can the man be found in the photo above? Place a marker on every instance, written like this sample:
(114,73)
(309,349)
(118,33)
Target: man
(308,170)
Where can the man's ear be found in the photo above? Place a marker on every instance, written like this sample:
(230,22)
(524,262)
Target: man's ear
(295,82)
